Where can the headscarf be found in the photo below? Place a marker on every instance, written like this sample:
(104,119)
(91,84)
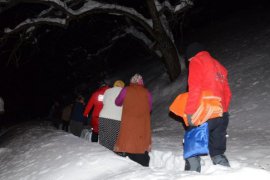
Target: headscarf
(137,79)
(119,83)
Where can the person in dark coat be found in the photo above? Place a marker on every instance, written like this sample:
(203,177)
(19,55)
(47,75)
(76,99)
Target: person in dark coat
(77,119)
(66,114)
(55,114)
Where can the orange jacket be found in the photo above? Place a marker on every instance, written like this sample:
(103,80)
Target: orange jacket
(206,73)
(96,102)
(210,107)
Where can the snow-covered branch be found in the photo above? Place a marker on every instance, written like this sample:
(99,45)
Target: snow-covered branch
(173,9)
(89,7)
(30,22)
(155,32)
(139,35)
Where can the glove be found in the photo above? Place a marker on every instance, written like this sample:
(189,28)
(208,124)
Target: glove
(190,121)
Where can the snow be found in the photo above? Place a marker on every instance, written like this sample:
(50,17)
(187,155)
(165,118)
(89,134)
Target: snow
(38,151)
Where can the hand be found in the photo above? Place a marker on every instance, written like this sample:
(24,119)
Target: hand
(190,120)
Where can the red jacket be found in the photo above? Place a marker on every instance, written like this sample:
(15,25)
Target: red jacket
(206,73)
(96,102)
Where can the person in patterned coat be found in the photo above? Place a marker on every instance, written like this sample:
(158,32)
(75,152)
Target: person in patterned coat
(110,116)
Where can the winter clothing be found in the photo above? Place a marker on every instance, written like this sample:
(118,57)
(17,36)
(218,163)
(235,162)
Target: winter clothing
(136,79)
(110,117)
(135,131)
(76,122)
(110,110)
(67,112)
(66,117)
(94,137)
(221,160)
(217,134)
(77,112)
(55,114)
(142,159)
(119,83)
(210,107)
(120,98)
(207,74)
(108,132)
(96,102)
(193,164)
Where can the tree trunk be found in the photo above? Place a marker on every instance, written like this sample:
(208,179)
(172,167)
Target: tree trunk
(166,46)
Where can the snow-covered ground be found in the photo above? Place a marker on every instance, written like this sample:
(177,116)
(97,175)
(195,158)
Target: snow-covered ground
(38,151)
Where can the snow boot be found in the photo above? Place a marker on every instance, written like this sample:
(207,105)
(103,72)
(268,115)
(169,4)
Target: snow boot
(221,160)
(193,164)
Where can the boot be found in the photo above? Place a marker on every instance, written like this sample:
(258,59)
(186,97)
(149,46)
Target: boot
(193,164)
(221,160)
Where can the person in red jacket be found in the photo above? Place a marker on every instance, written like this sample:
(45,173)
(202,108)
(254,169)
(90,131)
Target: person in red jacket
(96,102)
(206,73)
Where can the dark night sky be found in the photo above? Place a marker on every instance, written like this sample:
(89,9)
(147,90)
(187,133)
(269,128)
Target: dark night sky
(50,69)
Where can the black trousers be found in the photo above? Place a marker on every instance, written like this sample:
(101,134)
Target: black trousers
(94,137)
(142,159)
(217,134)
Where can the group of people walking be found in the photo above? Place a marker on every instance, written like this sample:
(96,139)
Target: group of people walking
(70,116)
(121,115)
(121,118)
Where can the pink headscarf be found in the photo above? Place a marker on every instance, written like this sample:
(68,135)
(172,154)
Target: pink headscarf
(137,79)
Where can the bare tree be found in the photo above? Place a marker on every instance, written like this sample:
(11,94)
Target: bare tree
(155,32)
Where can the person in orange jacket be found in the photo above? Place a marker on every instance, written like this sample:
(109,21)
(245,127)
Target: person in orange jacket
(95,102)
(206,73)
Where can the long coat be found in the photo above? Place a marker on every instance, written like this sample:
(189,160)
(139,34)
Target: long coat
(135,131)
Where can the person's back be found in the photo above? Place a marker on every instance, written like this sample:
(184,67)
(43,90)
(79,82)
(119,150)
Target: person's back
(206,73)
(77,112)
(110,116)
(76,119)
(66,114)
(110,110)
(95,102)
(135,133)
(210,75)
(136,105)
